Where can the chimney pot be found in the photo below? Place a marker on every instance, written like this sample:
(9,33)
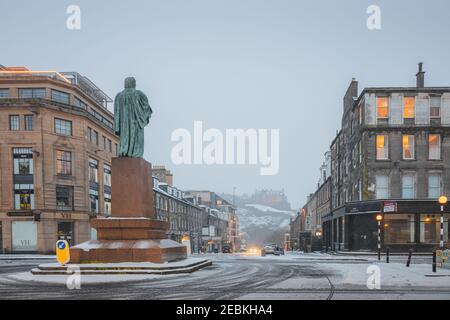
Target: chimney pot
(420,76)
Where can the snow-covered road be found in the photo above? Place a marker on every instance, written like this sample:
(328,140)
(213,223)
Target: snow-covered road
(313,276)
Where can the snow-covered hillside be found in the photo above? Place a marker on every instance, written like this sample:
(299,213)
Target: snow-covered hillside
(258,222)
(267,209)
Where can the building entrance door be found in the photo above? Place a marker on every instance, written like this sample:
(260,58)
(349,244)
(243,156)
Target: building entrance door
(363,241)
(65,232)
(362,232)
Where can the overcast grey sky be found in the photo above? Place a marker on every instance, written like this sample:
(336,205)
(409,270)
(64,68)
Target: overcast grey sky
(236,64)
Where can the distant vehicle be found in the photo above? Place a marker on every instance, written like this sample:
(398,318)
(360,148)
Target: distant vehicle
(269,249)
(279,251)
(253,250)
(227,249)
(272,249)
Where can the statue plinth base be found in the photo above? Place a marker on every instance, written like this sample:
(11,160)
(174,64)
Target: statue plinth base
(131,234)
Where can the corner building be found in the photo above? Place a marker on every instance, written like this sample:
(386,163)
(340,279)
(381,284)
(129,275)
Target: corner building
(56,146)
(391,157)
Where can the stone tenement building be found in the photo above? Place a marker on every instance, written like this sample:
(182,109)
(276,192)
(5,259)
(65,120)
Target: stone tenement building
(391,156)
(162,174)
(186,218)
(219,210)
(56,146)
(306,228)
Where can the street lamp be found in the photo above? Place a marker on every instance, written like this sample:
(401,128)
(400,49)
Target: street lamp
(442,201)
(379,218)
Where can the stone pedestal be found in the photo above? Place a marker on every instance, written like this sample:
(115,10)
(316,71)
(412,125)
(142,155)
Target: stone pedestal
(131,234)
(132,188)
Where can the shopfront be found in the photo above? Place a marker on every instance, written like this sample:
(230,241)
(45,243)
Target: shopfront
(24,236)
(421,231)
(406,225)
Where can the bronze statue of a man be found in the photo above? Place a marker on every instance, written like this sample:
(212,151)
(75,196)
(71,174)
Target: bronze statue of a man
(131,114)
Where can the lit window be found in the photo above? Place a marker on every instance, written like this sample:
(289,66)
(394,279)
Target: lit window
(23,171)
(434,147)
(382,147)
(435,107)
(408,186)
(408,147)
(23,161)
(63,163)
(63,127)
(408,108)
(382,108)
(434,186)
(24,196)
(399,229)
(382,186)
(430,228)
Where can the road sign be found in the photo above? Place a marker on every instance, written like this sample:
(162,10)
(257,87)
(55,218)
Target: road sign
(62,252)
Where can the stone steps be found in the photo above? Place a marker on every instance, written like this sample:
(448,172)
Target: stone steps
(180,267)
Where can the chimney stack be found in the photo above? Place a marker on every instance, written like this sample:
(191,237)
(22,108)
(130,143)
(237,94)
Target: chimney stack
(420,76)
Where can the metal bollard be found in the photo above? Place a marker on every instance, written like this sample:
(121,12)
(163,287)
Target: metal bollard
(409,258)
(434,261)
(387,254)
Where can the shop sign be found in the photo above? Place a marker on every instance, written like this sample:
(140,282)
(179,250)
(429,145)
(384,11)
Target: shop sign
(442,258)
(20,214)
(390,206)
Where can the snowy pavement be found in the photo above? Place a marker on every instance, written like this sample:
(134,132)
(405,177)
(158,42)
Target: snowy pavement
(292,276)
(26,257)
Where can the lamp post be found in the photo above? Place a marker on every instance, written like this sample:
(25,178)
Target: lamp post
(379,218)
(442,201)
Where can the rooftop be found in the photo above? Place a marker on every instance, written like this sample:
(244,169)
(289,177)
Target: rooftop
(81,82)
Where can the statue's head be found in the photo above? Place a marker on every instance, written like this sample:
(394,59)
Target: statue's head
(130,82)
